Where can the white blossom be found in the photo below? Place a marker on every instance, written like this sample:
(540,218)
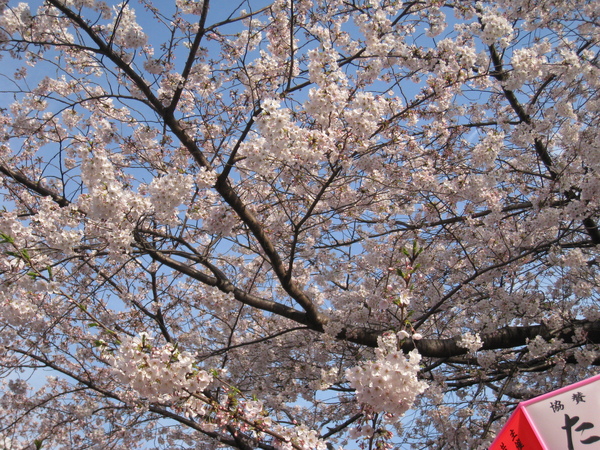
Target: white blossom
(390,382)
(471,342)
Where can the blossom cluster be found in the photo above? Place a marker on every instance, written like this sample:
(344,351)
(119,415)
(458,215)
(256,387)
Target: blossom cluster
(167,193)
(496,28)
(279,158)
(389,383)
(21,310)
(159,373)
(472,342)
(190,6)
(126,31)
(109,204)
(527,64)
(300,437)
(16,19)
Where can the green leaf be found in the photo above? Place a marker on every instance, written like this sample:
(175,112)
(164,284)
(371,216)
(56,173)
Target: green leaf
(6,239)
(25,255)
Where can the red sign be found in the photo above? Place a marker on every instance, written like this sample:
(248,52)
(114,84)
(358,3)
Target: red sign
(566,419)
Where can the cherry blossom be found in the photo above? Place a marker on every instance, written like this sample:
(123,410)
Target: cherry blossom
(389,383)
(294,224)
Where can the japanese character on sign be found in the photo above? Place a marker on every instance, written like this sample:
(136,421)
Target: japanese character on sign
(570,423)
(578,397)
(556,406)
(515,438)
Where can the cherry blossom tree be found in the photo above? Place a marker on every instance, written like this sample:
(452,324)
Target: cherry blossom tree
(298,224)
